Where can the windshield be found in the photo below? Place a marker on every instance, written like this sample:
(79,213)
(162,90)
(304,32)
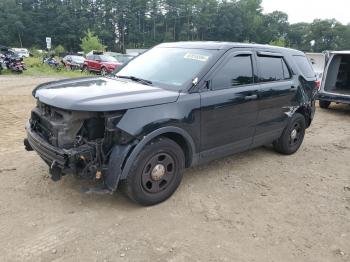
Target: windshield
(105,58)
(78,59)
(171,67)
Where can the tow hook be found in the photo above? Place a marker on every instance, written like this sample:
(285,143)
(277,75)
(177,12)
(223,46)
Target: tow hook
(55,171)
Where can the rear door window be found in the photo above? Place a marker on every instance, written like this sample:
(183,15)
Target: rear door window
(272,69)
(286,72)
(236,72)
(304,66)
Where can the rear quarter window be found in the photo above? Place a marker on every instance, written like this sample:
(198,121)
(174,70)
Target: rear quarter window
(272,69)
(304,66)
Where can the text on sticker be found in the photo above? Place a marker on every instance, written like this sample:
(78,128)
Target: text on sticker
(201,58)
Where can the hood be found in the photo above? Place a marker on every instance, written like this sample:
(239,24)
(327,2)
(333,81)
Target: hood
(101,94)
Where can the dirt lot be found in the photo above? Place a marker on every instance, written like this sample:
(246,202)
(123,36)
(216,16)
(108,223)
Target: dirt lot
(255,206)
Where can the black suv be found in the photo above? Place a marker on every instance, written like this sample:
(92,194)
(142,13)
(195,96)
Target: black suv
(175,106)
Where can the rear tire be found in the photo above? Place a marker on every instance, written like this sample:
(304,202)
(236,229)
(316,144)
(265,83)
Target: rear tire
(324,104)
(156,172)
(292,137)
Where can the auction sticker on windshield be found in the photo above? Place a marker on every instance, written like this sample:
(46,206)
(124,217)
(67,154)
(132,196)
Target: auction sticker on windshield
(197,57)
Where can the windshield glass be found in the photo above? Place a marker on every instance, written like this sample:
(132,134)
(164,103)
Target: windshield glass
(78,59)
(171,67)
(105,58)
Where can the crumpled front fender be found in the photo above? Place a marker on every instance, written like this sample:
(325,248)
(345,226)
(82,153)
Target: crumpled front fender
(115,165)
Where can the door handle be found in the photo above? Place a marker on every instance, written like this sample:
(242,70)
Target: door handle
(252,97)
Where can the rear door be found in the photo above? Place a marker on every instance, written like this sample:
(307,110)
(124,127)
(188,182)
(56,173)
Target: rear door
(277,95)
(229,106)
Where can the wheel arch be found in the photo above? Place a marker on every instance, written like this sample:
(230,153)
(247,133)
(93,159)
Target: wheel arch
(183,143)
(122,157)
(306,112)
(178,135)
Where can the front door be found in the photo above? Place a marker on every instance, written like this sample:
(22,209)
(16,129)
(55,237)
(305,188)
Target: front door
(95,63)
(229,106)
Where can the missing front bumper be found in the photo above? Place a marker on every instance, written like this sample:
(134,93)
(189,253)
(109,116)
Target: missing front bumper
(60,161)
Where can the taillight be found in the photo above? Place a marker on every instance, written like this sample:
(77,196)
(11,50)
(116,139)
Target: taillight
(318,84)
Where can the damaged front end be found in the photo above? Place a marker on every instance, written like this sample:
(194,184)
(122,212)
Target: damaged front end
(77,142)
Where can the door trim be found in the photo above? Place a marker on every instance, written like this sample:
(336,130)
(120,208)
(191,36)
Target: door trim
(225,150)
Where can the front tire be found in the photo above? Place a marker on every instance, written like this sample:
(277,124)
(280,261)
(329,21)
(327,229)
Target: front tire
(292,137)
(103,71)
(156,172)
(324,104)
(85,69)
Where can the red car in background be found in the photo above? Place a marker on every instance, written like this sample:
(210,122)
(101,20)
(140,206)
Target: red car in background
(102,64)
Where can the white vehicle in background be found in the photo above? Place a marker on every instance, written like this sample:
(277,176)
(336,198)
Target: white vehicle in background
(335,86)
(21,52)
(318,62)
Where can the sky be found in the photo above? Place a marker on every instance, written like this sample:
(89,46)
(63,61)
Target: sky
(308,10)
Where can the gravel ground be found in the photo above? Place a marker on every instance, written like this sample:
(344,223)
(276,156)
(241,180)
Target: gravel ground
(254,206)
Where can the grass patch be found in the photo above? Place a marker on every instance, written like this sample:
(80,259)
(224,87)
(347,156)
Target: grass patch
(35,67)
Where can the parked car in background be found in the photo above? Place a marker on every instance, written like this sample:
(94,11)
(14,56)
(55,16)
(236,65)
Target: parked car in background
(73,61)
(175,106)
(21,52)
(135,51)
(335,86)
(100,63)
(121,58)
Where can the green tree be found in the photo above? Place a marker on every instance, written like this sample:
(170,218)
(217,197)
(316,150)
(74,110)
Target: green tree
(121,24)
(228,23)
(275,27)
(59,49)
(279,42)
(91,42)
(252,19)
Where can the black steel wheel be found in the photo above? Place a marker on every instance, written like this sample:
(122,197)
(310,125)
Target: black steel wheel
(296,134)
(292,137)
(156,172)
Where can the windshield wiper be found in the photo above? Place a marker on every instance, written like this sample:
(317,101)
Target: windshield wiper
(136,79)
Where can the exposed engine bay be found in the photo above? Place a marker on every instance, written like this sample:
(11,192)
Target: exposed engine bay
(82,141)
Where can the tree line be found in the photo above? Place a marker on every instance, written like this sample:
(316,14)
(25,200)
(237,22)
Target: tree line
(121,24)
